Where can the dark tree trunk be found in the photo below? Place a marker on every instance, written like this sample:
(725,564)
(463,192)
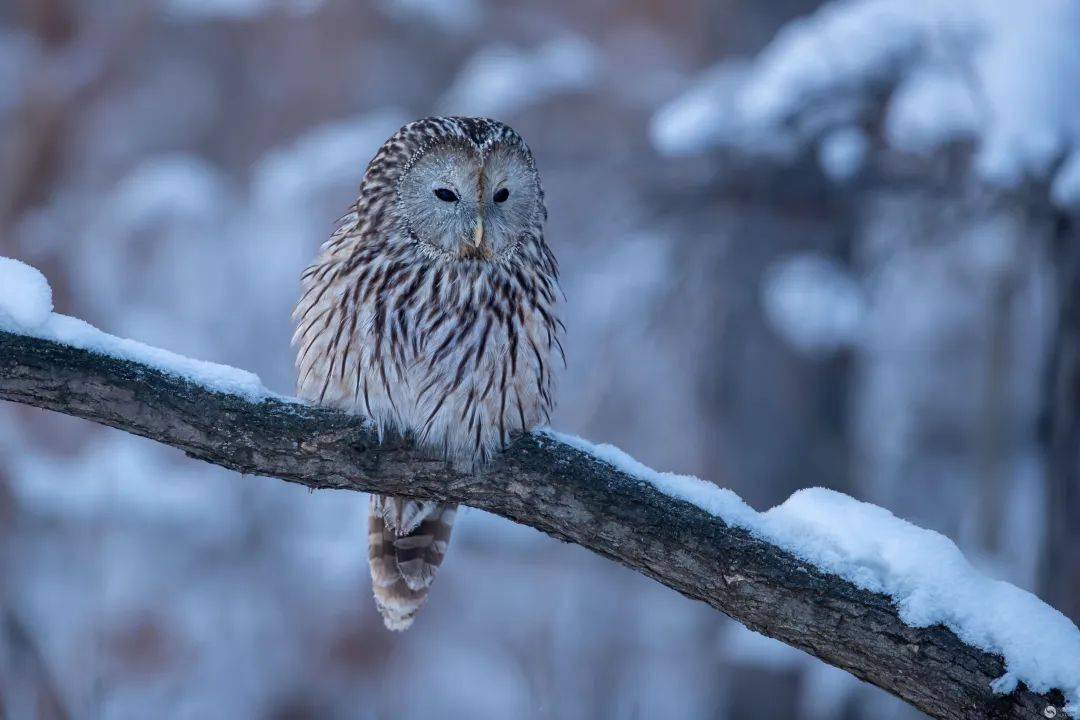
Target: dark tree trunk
(1061,431)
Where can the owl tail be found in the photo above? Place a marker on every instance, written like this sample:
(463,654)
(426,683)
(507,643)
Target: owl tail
(407,541)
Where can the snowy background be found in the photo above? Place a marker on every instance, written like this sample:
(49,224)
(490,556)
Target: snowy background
(803,244)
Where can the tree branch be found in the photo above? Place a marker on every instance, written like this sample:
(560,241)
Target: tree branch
(547,485)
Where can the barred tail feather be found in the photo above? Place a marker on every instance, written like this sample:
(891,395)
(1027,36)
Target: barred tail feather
(407,541)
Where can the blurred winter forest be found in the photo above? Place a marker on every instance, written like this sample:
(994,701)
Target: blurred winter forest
(803,244)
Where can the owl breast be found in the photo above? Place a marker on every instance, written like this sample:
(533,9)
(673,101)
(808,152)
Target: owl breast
(460,356)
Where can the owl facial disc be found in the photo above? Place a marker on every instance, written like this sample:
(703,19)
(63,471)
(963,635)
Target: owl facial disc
(461,200)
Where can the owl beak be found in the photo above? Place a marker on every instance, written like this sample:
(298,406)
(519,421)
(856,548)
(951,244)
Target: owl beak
(478,232)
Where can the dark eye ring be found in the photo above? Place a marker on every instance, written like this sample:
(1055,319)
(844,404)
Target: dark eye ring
(500,195)
(445,194)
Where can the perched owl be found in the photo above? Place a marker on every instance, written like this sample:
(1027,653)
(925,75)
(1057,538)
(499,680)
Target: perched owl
(431,310)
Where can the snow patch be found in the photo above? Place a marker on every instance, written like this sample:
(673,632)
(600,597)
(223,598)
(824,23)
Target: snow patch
(928,578)
(1065,192)
(25,295)
(842,153)
(26,309)
(167,190)
(701,117)
(501,80)
(328,155)
(814,303)
(931,108)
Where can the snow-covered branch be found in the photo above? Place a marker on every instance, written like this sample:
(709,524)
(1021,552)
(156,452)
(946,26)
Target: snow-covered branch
(893,604)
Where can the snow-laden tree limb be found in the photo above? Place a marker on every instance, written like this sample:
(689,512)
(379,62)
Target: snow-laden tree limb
(546,484)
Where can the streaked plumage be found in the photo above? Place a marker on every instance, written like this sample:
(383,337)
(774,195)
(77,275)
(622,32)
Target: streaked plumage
(434,317)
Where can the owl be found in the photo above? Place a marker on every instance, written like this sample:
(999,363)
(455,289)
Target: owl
(431,311)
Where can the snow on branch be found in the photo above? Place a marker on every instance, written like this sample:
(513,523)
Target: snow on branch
(895,605)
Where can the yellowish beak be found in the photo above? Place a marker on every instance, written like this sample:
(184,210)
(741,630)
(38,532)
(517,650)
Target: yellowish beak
(478,232)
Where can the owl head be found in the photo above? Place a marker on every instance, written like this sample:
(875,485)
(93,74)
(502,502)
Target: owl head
(469,190)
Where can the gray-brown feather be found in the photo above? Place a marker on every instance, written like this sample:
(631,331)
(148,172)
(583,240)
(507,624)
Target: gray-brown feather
(457,350)
(403,563)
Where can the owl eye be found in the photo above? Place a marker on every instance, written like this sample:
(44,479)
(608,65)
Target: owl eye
(446,194)
(500,195)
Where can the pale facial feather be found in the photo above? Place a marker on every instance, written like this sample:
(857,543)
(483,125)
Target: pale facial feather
(450,229)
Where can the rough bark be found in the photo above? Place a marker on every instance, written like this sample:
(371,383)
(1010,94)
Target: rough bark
(549,486)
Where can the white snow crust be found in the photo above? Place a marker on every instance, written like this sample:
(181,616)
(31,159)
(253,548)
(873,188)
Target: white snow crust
(26,309)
